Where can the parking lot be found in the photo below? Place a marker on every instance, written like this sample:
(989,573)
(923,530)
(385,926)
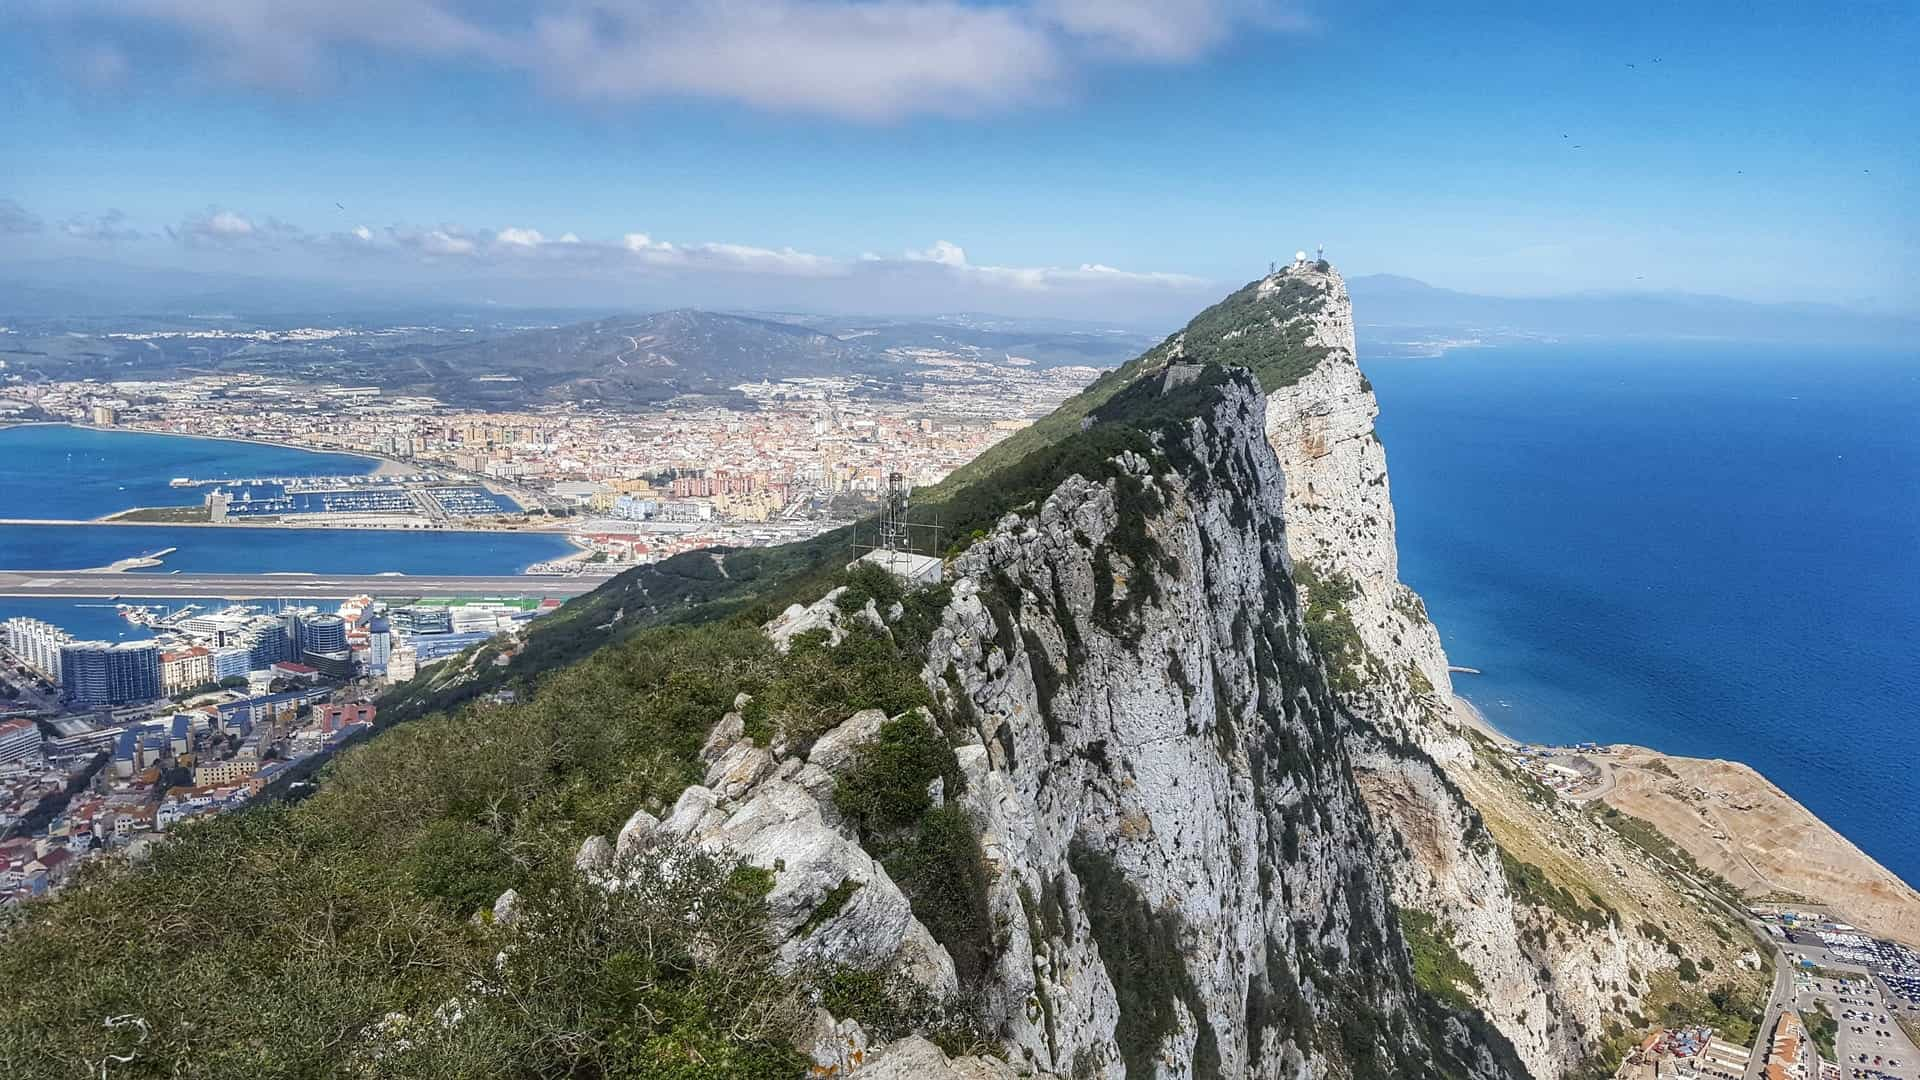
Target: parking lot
(1869,1042)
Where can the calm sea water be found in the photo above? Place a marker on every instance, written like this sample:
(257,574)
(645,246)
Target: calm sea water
(56,471)
(1710,550)
(253,550)
(66,472)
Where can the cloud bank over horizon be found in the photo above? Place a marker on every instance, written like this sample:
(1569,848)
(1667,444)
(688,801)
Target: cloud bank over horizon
(517,264)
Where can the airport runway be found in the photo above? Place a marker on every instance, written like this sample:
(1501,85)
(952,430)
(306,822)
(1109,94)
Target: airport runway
(63,583)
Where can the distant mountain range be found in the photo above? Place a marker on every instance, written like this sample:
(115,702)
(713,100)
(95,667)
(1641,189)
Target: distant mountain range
(495,356)
(654,357)
(1393,309)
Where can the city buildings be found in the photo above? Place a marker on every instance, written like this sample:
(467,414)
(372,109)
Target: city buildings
(37,644)
(107,673)
(20,740)
(185,669)
(1787,1055)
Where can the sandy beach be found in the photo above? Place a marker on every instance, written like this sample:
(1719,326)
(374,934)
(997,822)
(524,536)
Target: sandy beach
(1467,715)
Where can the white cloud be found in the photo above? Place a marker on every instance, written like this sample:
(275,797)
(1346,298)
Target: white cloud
(942,252)
(864,59)
(441,242)
(942,271)
(736,258)
(513,237)
(953,258)
(1163,31)
(227,223)
(220,228)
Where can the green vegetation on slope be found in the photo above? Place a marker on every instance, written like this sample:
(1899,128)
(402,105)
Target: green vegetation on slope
(1264,334)
(1531,885)
(272,942)
(1330,626)
(1437,966)
(1822,1028)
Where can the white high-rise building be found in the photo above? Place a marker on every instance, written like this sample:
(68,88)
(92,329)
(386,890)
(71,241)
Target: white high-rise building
(37,644)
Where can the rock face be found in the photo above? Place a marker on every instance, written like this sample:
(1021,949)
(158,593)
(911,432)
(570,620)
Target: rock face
(1170,769)
(1179,864)
(1194,842)
(1339,511)
(1340,525)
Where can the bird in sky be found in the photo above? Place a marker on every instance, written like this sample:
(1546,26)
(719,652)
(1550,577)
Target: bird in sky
(342,208)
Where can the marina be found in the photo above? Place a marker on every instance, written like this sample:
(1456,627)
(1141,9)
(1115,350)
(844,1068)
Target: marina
(311,483)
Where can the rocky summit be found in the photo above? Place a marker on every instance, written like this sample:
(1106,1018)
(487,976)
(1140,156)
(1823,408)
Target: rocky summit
(1162,778)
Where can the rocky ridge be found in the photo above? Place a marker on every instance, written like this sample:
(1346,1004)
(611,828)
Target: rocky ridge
(1551,1001)
(1194,841)
(1178,868)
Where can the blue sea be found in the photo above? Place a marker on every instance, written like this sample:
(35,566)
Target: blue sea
(57,472)
(260,550)
(61,472)
(1708,549)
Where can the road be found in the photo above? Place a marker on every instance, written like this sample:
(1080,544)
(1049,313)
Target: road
(68,583)
(1875,1038)
(1780,999)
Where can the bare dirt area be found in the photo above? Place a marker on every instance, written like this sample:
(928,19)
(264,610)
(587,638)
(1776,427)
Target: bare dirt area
(1735,822)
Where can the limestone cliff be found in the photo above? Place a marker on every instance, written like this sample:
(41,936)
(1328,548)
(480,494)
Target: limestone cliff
(1553,1000)
(1202,737)
(1179,870)
(1339,511)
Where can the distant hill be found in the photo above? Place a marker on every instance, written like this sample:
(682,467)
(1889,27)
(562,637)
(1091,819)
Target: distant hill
(637,358)
(1393,308)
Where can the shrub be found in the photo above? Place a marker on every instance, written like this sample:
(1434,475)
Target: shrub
(1437,966)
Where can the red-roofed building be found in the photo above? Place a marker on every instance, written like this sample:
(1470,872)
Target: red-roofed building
(332,718)
(185,669)
(291,670)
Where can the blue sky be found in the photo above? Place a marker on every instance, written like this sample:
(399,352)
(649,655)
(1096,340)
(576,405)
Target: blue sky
(1079,156)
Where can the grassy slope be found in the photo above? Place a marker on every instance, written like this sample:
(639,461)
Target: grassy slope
(1244,330)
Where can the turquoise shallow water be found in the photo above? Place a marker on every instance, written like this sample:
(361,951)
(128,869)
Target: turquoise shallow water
(1708,549)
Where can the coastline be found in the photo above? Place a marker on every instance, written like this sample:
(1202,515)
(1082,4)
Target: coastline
(1728,817)
(382,467)
(1467,714)
(379,462)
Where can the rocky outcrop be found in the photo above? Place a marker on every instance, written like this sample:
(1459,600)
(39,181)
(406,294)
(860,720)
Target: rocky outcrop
(1339,510)
(1409,758)
(1194,842)
(1179,872)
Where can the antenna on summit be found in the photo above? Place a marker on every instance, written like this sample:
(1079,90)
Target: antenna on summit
(1320,253)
